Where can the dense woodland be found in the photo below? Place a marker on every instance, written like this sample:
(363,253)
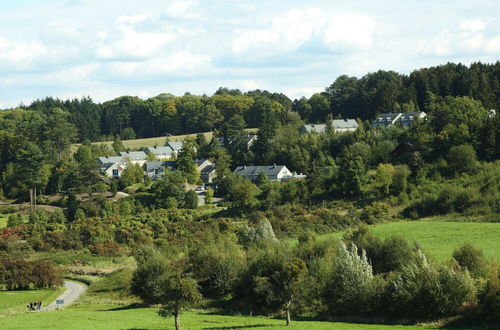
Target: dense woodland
(234,255)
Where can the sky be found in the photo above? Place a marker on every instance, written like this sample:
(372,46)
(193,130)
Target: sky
(105,49)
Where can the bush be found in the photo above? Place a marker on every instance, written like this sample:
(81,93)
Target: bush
(423,291)
(350,290)
(110,249)
(470,258)
(20,274)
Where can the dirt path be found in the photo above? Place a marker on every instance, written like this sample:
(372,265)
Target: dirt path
(73,291)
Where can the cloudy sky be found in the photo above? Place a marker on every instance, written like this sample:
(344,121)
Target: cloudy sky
(104,49)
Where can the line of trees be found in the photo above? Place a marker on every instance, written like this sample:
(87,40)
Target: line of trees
(362,277)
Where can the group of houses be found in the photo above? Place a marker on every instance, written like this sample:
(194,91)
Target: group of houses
(156,160)
(405,119)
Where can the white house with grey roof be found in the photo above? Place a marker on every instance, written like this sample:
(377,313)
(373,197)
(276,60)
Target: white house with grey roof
(338,125)
(161,153)
(273,172)
(392,118)
(408,118)
(344,125)
(112,166)
(156,169)
(176,146)
(134,157)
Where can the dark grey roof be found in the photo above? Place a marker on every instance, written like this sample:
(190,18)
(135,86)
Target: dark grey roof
(387,117)
(150,166)
(271,170)
(208,169)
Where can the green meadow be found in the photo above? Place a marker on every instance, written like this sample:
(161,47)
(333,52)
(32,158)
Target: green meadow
(16,301)
(439,238)
(94,317)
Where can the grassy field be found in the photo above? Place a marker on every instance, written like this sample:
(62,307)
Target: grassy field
(158,141)
(439,239)
(113,317)
(3,220)
(15,301)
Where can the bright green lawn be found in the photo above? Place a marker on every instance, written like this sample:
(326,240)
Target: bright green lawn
(16,301)
(111,317)
(439,239)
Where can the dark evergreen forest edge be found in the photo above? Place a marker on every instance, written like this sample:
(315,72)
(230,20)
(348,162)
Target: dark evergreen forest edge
(237,253)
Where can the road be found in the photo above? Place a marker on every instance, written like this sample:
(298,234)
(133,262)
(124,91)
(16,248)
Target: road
(73,291)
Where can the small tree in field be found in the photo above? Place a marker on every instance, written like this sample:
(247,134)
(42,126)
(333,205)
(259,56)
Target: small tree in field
(176,293)
(283,285)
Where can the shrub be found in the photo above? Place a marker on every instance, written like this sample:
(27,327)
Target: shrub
(423,291)
(110,249)
(470,258)
(349,290)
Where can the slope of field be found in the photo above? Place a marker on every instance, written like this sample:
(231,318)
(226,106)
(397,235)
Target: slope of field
(159,141)
(113,317)
(439,239)
(16,301)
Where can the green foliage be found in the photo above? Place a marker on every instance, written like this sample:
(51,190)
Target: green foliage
(470,258)
(462,159)
(22,274)
(425,291)
(349,288)
(15,220)
(169,191)
(191,200)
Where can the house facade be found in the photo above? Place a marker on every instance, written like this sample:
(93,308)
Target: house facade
(134,157)
(161,153)
(273,172)
(404,119)
(338,126)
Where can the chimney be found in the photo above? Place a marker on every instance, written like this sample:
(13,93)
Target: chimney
(274,165)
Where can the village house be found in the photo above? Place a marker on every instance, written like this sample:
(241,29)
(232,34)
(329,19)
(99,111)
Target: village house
(249,141)
(112,166)
(338,126)
(386,119)
(207,170)
(134,157)
(161,153)
(404,119)
(273,172)
(155,169)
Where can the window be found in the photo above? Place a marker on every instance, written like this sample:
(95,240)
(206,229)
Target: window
(115,173)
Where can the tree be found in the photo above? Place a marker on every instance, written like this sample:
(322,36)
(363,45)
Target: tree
(161,279)
(383,177)
(176,293)
(30,165)
(283,285)
(169,191)
(462,159)
(400,180)
(118,145)
(470,258)
(349,289)
(209,194)
(242,196)
(186,164)
(191,200)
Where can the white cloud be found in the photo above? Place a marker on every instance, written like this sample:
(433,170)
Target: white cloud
(297,27)
(468,38)
(349,31)
(125,42)
(181,9)
(179,63)
(20,55)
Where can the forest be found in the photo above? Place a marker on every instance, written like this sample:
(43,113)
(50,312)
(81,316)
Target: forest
(259,246)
